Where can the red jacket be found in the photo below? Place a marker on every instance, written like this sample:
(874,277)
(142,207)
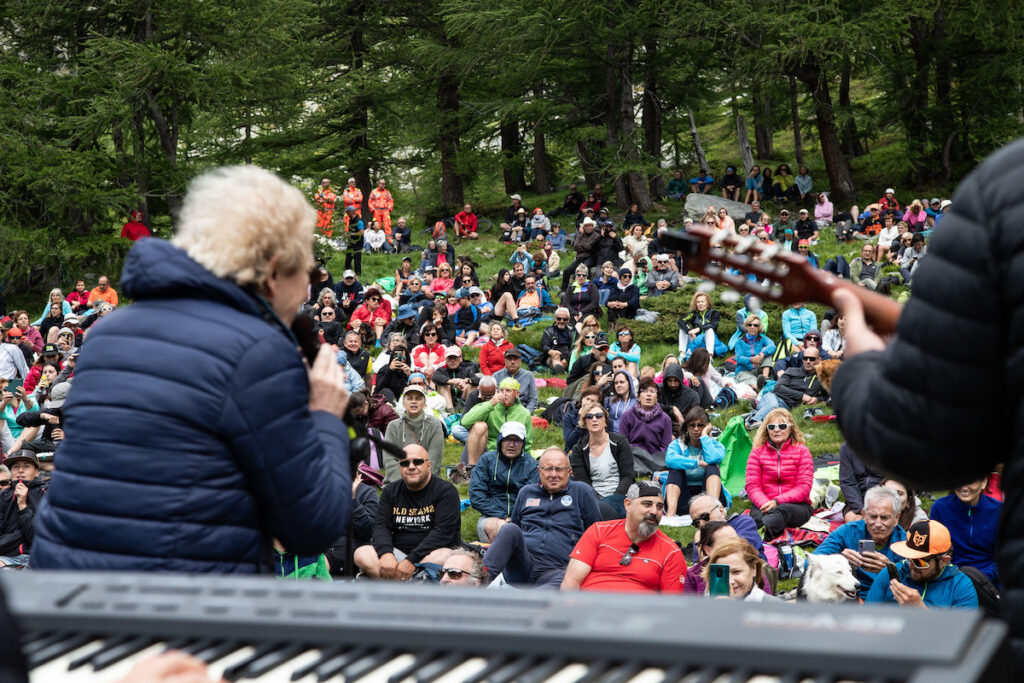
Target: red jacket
(383,312)
(492,356)
(784,476)
(81,298)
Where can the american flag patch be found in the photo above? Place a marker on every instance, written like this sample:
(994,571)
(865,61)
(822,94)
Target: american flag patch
(532,502)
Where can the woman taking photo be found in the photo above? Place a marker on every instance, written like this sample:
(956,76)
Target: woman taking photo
(581,296)
(647,428)
(414,426)
(692,462)
(780,473)
(603,460)
(746,571)
(622,398)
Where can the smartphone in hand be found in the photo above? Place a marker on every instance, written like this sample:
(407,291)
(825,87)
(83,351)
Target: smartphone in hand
(718,580)
(865,546)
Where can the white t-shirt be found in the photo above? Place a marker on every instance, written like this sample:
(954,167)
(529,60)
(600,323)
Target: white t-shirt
(604,472)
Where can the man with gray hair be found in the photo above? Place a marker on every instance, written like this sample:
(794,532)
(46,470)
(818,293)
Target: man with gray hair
(556,342)
(867,543)
(463,568)
(629,554)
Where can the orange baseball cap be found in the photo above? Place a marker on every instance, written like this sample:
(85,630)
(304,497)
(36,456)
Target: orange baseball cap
(924,539)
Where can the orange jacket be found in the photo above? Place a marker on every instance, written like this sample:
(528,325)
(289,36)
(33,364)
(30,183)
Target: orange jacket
(352,196)
(381,200)
(324,199)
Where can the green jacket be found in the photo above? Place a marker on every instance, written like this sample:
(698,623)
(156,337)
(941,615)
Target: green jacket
(497,415)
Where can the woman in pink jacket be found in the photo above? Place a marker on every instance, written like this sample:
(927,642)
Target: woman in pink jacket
(779,475)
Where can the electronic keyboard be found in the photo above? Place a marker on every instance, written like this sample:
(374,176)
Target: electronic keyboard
(92,626)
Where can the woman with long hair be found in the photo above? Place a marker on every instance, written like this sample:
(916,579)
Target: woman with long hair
(692,462)
(746,571)
(703,378)
(725,221)
(647,428)
(699,327)
(53,321)
(625,346)
(622,399)
(635,241)
(780,473)
(429,354)
(503,296)
(586,337)
(603,460)
(755,185)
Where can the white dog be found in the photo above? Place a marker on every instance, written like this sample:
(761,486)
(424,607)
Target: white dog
(827,578)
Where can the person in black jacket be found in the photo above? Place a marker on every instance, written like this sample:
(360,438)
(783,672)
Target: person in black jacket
(583,364)
(609,246)
(603,460)
(674,397)
(700,325)
(350,294)
(855,478)
(364,516)
(556,342)
(798,386)
(18,504)
(896,403)
(454,379)
(358,357)
(582,297)
(805,229)
(585,244)
(418,520)
(624,299)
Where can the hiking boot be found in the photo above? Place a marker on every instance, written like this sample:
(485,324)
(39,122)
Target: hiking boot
(460,475)
(516,325)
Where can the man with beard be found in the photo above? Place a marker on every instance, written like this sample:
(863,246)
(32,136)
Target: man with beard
(631,554)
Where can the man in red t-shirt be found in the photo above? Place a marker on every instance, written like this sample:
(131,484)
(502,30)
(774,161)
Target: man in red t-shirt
(466,223)
(631,554)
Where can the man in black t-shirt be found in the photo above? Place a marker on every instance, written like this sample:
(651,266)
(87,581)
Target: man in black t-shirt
(418,520)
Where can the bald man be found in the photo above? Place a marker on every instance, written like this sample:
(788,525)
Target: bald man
(418,520)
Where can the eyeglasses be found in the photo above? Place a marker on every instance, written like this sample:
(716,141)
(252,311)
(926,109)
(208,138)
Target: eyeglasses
(454,574)
(628,557)
(327,314)
(561,320)
(921,562)
(781,427)
(415,462)
(697,425)
(553,470)
(625,276)
(5,483)
(430,334)
(581,274)
(373,298)
(594,416)
(752,325)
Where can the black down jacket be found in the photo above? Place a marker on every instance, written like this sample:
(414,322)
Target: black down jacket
(944,402)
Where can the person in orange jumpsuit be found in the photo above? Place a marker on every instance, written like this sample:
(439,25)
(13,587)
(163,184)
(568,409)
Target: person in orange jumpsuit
(324,201)
(352,196)
(381,204)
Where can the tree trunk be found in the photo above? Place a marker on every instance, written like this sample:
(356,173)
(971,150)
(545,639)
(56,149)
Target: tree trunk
(620,127)
(851,139)
(591,170)
(359,145)
(914,101)
(794,111)
(763,141)
(839,177)
(652,121)
(697,148)
(945,125)
(512,156)
(448,108)
(746,156)
(541,175)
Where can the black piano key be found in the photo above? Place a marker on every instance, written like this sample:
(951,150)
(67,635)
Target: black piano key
(238,669)
(306,669)
(674,674)
(39,643)
(510,673)
(273,660)
(624,672)
(178,644)
(106,645)
(367,665)
(594,671)
(495,663)
(439,667)
(334,665)
(198,646)
(422,659)
(706,675)
(543,671)
(219,651)
(58,649)
(114,655)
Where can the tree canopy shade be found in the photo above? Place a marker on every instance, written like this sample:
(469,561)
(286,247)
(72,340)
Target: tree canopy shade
(112,106)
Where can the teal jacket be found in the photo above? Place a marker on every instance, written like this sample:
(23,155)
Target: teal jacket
(952,588)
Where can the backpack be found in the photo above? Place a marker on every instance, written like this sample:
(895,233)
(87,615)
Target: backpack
(531,357)
(554,412)
(988,596)
(726,397)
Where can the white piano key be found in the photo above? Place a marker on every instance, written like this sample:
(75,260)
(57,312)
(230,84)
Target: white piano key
(649,675)
(283,673)
(570,674)
(217,668)
(57,670)
(383,672)
(121,669)
(463,670)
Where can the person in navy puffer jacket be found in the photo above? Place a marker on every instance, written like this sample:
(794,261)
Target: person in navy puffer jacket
(195,435)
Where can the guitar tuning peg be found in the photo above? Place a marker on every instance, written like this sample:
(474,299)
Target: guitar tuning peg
(729,296)
(771,252)
(745,243)
(706,287)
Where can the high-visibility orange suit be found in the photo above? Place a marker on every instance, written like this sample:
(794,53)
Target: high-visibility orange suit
(324,200)
(381,204)
(352,196)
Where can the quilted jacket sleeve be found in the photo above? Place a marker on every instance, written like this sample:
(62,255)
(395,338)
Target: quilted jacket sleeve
(905,409)
(296,461)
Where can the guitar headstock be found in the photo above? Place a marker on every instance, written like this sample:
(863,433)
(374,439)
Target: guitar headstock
(747,264)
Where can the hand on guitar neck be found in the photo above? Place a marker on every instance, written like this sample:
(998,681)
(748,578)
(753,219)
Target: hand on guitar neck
(745,264)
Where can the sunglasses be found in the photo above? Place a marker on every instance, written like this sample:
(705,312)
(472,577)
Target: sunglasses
(373,298)
(697,425)
(625,333)
(5,483)
(590,336)
(327,314)
(454,574)
(697,521)
(625,276)
(781,427)
(752,325)
(627,558)
(561,320)
(415,462)
(594,416)
(811,358)
(921,562)
(430,334)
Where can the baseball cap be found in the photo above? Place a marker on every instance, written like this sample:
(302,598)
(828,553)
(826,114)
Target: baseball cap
(923,539)
(804,211)
(602,340)
(475,290)
(406,311)
(351,208)
(509,383)
(935,200)
(65,330)
(513,353)
(414,389)
(51,350)
(453,351)
(462,293)
(512,428)
(15,332)
(803,243)
(515,196)
(784,212)
(889,190)
(29,456)
(348,273)
(58,395)
(945,203)
(644,489)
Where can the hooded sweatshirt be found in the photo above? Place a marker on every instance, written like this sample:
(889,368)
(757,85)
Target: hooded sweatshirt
(823,210)
(681,398)
(497,480)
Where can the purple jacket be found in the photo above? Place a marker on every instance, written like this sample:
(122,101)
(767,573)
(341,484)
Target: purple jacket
(653,436)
